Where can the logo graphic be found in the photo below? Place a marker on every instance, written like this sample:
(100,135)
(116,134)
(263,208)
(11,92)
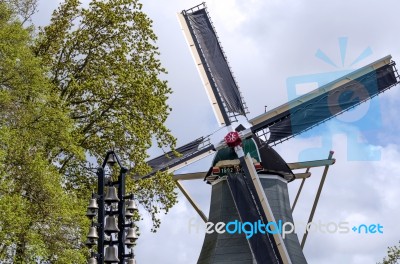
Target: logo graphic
(358,124)
(284,228)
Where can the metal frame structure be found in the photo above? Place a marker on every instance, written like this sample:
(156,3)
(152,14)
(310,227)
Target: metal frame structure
(101,197)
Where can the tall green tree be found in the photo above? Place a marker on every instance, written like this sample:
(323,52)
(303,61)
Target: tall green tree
(104,66)
(89,82)
(35,211)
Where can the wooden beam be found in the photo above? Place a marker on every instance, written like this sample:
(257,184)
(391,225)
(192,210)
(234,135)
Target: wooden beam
(303,175)
(190,176)
(192,202)
(311,164)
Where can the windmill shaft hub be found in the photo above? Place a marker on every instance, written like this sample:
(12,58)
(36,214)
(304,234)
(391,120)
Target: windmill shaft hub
(233,139)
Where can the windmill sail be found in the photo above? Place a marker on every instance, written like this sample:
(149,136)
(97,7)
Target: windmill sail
(191,152)
(248,206)
(223,248)
(301,114)
(213,66)
(326,102)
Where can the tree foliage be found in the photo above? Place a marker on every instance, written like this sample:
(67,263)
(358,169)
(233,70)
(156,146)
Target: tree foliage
(34,209)
(103,63)
(393,255)
(89,82)
(23,8)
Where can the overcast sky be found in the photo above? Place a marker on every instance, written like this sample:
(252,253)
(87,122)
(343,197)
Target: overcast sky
(268,43)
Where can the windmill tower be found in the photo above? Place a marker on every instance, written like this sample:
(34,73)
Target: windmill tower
(247,176)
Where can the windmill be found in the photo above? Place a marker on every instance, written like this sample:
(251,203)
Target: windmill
(248,178)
